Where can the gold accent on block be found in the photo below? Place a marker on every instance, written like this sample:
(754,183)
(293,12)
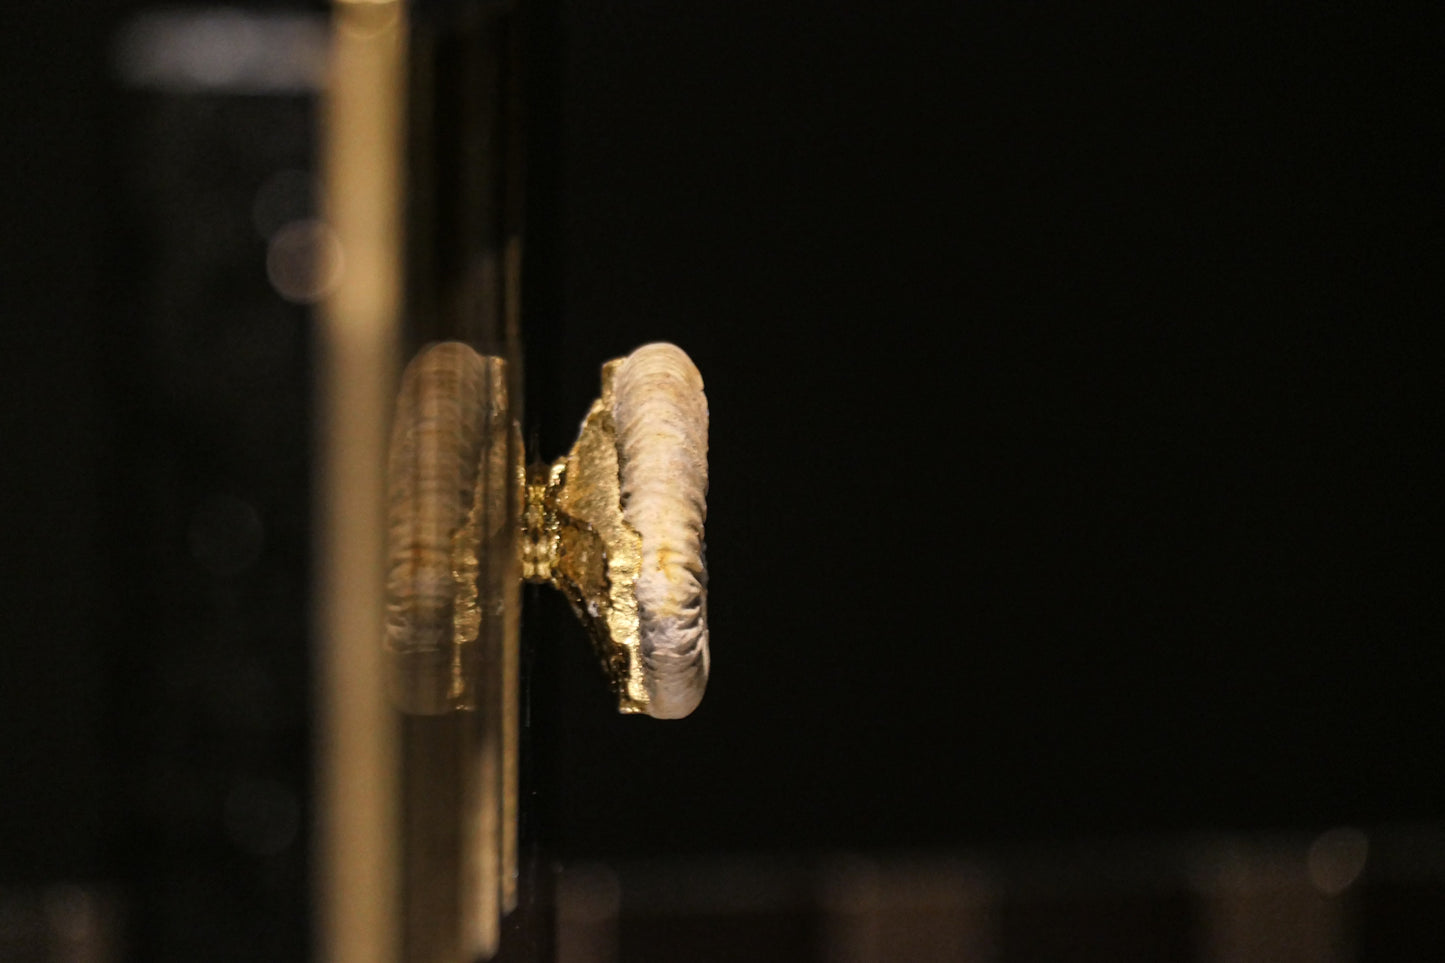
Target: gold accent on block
(512,671)
(576,539)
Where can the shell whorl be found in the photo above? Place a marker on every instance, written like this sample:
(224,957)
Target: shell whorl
(661,419)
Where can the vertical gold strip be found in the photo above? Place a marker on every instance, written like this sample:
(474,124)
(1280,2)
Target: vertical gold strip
(356,861)
(511,632)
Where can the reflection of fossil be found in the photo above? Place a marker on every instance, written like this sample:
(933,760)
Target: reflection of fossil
(616,525)
(448,470)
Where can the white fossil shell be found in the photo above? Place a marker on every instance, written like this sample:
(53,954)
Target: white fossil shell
(661,419)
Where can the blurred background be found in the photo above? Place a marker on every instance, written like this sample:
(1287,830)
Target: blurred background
(1074,567)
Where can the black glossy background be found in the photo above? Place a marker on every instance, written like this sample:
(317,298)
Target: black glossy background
(1073,379)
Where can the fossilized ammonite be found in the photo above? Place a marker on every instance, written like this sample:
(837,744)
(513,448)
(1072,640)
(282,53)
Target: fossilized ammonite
(617,525)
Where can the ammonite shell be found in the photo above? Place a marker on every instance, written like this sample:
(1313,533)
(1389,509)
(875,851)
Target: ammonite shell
(661,419)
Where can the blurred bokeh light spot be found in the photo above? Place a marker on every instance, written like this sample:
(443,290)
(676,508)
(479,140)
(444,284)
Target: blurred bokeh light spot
(304,261)
(1336,858)
(71,912)
(589,902)
(365,19)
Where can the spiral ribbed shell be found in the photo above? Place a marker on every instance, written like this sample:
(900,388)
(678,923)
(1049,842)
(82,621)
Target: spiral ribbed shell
(661,419)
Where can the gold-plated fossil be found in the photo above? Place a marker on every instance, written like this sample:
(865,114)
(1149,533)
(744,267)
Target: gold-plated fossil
(616,525)
(577,540)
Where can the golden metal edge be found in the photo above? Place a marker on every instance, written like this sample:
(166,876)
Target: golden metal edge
(512,682)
